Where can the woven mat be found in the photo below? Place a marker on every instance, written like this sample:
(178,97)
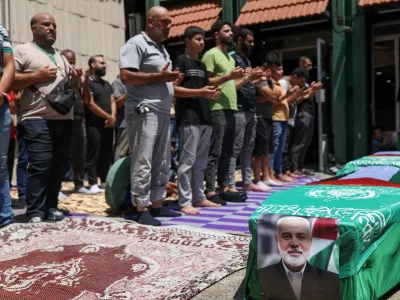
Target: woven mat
(79,203)
(231,218)
(92,258)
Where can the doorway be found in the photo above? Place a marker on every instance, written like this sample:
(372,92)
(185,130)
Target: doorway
(386,83)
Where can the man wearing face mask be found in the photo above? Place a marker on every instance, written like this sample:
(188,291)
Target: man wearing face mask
(99,125)
(246,115)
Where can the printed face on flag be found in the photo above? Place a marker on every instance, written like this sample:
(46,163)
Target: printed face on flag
(294,241)
(298,257)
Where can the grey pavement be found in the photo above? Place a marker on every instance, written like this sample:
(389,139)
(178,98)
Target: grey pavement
(232,288)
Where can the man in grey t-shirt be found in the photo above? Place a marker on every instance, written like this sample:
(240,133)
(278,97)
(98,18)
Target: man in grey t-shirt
(147,74)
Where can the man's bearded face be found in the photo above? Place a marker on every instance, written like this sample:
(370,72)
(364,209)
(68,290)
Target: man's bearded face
(294,256)
(294,241)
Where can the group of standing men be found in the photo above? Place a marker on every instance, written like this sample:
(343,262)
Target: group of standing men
(62,114)
(224,109)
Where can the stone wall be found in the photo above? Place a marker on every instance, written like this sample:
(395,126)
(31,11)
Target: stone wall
(87,27)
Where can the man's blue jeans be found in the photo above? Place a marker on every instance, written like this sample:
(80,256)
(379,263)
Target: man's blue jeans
(47,143)
(279,138)
(6,212)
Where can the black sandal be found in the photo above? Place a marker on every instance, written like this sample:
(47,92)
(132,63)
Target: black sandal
(216,199)
(230,196)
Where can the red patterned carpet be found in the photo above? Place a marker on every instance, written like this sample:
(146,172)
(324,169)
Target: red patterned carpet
(96,259)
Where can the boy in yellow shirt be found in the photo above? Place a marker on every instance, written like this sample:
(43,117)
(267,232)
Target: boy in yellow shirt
(280,119)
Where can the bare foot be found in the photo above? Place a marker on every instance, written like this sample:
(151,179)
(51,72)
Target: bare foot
(253,188)
(233,189)
(206,203)
(293,175)
(285,178)
(277,180)
(190,210)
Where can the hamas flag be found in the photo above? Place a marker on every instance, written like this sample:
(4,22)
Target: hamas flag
(370,161)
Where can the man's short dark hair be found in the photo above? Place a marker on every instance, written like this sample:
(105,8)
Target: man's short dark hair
(66,51)
(304,59)
(218,26)
(300,73)
(272,59)
(92,59)
(243,33)
(377,127)
(192,31)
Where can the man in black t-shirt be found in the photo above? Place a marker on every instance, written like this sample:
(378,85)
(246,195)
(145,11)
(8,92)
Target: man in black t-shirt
(246,115)
(193,119)
(304,122)
(78,138)
(100,119)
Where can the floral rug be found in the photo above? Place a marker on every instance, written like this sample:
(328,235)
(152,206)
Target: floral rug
(89,258)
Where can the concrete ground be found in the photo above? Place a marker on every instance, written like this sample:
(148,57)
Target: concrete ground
(232,288)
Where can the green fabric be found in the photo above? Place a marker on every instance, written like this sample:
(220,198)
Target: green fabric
(117,182)
(368,161)
(367,215)
(395,178)
(221,64)
(322,258)
(372,281)
(379,274)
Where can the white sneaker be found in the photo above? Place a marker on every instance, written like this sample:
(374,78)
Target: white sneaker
(61,196)
(271,182)
(263,186)
(35,220)
(94,189)
(84,190)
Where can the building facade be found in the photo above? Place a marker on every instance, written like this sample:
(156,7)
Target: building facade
(87,27)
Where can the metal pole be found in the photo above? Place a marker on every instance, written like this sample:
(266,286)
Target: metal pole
(320,95)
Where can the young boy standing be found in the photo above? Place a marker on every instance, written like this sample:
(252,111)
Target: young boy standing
(193,117)
(280,119)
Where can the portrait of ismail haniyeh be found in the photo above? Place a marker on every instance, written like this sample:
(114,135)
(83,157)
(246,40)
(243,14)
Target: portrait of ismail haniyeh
(293,278)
